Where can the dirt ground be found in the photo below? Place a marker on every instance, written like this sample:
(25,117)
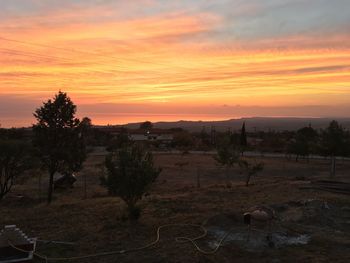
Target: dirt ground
(97,223)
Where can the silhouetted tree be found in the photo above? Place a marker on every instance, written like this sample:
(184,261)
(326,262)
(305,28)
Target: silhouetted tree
(98,137)
(298,147)
(121,140)
(304,143)
(347,144)
(12,133)
(227,156)
(243,139)
(76,152)
(333,143)
(85,127)
(250,168)
(14,160)
(58,137)
(273,142)
(147,125)
(183,140)
(205,137)
(308,132)
(130,173)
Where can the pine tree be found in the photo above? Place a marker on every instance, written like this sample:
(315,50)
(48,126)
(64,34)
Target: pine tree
(58,137)
(243,139)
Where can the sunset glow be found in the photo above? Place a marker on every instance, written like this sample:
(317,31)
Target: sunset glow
(125,61)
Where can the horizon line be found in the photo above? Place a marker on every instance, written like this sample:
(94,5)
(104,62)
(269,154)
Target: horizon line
(197,120)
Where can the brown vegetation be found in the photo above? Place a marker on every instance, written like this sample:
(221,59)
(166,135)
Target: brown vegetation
(98,223)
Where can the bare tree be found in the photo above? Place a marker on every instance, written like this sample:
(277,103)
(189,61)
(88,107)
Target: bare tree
(250,169)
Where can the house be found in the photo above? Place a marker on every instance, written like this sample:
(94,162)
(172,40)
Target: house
(152,135)
(162,136)
(13,243)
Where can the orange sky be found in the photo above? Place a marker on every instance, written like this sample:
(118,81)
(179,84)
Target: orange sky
(164,61)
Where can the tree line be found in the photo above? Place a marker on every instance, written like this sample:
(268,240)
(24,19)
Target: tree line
(59,144)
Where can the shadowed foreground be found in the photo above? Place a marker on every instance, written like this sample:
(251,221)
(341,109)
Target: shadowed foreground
(98,224)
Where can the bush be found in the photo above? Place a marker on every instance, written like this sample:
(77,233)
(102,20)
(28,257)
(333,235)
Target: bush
(14,161)
(130,173)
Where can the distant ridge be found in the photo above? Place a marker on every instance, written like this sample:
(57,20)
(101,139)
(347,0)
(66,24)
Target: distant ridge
(254,123)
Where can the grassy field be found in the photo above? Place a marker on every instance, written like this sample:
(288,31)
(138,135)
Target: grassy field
(97,223)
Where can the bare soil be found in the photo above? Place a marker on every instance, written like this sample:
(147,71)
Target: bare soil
(98,224)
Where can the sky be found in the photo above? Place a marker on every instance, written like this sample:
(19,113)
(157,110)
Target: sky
(127,61)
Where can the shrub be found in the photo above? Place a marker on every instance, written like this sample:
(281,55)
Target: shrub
(130,173)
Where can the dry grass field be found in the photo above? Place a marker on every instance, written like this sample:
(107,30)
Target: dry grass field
(97,223)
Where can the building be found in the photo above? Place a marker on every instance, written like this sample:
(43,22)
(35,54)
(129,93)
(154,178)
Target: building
(153,135)
(162,137)
(13,243)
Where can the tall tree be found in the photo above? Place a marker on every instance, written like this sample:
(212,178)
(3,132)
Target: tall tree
(304,142)
(57,136)
(333,143)
(76,150)
(83,134)
(243,139)
(147,125)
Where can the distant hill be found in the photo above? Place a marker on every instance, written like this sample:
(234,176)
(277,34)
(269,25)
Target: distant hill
(255,123)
